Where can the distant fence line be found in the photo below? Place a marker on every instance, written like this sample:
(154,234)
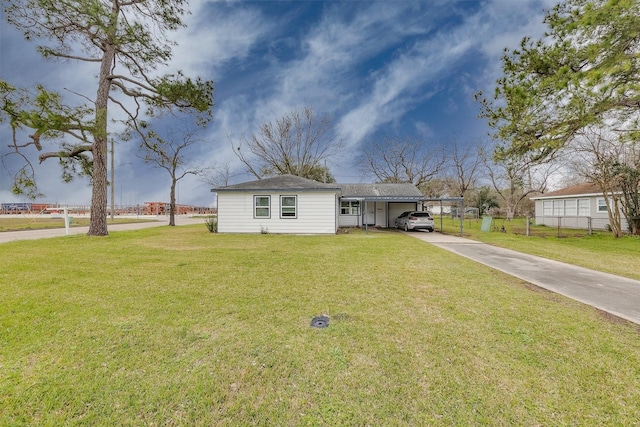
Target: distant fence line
(148,208)
(565,221)
(534,226)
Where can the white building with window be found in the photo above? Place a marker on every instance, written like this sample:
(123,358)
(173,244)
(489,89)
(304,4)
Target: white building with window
(581,206)
(291,204)
(283,204)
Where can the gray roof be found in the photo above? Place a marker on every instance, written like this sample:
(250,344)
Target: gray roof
(584,189)
(280,182)
(381,191)
(399,192)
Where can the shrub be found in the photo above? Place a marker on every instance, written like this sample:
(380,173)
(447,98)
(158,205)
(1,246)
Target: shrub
(212,225)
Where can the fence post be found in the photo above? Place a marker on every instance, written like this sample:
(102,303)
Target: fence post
(527,226)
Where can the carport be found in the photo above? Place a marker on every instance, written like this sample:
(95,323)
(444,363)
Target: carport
(380,204)
(381,211)
(397,205)
(448,201)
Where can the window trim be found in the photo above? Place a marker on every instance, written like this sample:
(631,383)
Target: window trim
(571,207)
(352,208)
(584,207)
(558,208)
(256,207)
(601,205)
(295,207)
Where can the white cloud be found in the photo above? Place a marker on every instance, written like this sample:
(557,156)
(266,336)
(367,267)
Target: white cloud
(401,82)
(214,38)
(424,130)
(428,62)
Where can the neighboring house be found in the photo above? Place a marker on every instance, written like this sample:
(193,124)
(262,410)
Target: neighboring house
(291,204)
(580,206)
(436,209)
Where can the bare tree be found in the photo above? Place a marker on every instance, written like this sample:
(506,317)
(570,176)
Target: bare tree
(403,161)
(464,168)
(596,153)
(298,143)
(627,172)
(515,178)
(218,176)
(434,188)
(170,154)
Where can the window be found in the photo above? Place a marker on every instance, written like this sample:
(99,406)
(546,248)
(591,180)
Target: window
(558,207)
(547,208)
(262,206)
(350,207)
(288,206)
(583,207)
(571,207)
(602,205)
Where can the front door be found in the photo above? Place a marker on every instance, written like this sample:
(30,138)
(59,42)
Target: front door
(369,213)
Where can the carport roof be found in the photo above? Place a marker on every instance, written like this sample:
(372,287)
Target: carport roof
(381,192)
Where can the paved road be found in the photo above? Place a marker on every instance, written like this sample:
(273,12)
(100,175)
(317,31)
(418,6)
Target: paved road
(614,294)
(9,236)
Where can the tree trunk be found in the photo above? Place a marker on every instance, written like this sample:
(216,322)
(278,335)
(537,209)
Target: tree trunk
(98,221)
(614,216)
(510,213)
(172,204)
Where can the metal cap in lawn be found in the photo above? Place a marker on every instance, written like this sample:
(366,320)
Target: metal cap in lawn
(320,322)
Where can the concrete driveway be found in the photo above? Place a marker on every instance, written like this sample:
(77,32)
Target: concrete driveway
(616,295)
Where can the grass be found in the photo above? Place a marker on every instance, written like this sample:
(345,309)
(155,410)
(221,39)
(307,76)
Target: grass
(18,223)
(179,326)
(599,251)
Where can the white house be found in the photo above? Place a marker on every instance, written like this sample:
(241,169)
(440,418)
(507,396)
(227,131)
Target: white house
(581,206)
(291,204)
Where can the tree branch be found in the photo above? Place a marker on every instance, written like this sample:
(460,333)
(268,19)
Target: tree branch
(75,152)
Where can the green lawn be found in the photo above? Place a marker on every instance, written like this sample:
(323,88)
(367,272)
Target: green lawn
(178,326)
(599,251)
(18,222)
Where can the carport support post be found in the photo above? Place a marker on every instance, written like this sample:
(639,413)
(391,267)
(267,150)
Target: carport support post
(364,217)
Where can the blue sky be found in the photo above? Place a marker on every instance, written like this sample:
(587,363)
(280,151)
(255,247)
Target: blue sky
(379,68)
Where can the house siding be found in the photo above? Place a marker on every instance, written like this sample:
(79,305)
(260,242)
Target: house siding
(350,220)
(316,213)
(560,217)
